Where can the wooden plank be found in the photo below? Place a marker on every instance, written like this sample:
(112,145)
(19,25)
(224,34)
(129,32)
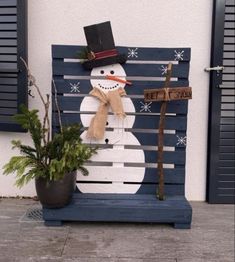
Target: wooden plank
(229,40)
(8,34)
(7,10)
(230,17)
(227,149)
(64,86)
(227,170)
(167,94)
(8,104)
(136,156)
(227,156)
(8,96)
(4,67)
(177,140)
(228,25)
(139,53)
(8,111)
(229,10)
(8,81)
(227,121)
(11,58)
(7,3)
(175,209)
(126,188)
(9,26)
(226,191)
(6,119)
(141,121)
(227,135)
(8,89)
(146,138)
(8,18)
(8,42)
(132,70)
(174,157)
(72,103)
(227,142)
(131,174)
(226,178)
(8,50)
(226,163)
(11,127)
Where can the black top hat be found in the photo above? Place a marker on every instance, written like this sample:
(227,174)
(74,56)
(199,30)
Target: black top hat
(101,47)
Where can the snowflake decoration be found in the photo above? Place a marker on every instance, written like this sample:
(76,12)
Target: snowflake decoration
(145,107)
(181,140)
(163,69)
(132,52)
(179,55)
(74,88)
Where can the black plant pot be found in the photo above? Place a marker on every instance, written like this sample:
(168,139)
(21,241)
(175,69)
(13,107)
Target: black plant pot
(56,194)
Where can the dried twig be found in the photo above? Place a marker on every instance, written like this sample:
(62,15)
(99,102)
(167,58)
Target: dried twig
(46,103)
(57,106)
(161,137)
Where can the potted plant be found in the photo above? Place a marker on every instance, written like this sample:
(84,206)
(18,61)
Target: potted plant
(52,160)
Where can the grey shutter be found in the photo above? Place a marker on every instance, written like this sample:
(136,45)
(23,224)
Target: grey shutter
(13,77)
(221,165)
(226,181)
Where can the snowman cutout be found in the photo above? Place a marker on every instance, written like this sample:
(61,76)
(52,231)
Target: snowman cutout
(107,77)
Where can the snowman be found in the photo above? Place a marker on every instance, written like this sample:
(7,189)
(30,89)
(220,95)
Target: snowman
(108,126)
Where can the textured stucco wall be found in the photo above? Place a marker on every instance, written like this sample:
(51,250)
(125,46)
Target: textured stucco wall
(158,23)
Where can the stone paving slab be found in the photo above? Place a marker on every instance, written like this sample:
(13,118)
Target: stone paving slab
(211,238)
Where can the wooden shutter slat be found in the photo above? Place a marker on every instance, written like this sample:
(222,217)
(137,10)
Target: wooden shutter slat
(8,89)
(12,26)
(13,45)
(7,3)
(7,10)
(8,34)
(8,104)
(8,18)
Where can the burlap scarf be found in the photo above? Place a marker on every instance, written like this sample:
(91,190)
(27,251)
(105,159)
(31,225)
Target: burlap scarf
(98,122)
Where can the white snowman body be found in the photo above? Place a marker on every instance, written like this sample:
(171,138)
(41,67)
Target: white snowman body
(118,138)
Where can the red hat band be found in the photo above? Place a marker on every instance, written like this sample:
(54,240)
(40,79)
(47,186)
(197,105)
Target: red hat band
(102,54)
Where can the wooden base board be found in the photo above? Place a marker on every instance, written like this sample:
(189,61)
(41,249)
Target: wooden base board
(175,210)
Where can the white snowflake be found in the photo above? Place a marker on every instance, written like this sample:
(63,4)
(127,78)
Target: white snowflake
(145,107)
(163,69)
(179,55)
(181,140)
(132,52)
(74,88)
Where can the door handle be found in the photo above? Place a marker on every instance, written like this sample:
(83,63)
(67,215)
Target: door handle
(216,68)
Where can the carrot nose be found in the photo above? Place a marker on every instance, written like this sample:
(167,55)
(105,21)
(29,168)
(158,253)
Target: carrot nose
(117,79)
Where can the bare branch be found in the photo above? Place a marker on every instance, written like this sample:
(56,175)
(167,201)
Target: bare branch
(57,106)
(46,103)
(32,80)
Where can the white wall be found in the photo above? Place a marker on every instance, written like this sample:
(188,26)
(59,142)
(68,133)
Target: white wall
(157,23)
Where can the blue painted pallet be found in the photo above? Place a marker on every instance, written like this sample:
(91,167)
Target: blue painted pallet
(123,208)
(146,69)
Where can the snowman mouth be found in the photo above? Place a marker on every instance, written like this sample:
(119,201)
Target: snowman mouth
(108,87)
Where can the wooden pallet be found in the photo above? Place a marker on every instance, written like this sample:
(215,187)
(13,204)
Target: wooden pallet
(124,172)
(122,208)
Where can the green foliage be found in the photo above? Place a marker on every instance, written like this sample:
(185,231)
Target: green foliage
(83,55)
(64,153)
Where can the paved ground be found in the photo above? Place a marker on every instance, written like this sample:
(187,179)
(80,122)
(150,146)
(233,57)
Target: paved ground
(210,239)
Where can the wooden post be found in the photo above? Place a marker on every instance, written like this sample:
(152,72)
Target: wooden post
(165,94)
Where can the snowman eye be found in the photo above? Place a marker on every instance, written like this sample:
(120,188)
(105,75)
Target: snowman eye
(111,72)
(102,72)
